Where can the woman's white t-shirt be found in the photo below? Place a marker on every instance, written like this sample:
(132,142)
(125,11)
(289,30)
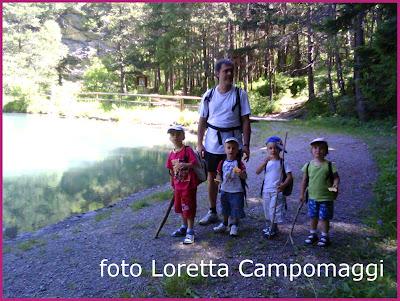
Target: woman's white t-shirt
(221,115)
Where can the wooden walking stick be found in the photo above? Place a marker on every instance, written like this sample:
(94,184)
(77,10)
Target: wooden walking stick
(171,203)
(290,238)
(280,181)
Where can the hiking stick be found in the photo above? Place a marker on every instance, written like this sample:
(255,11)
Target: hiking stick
(280,180)
(171,203)
(290,238)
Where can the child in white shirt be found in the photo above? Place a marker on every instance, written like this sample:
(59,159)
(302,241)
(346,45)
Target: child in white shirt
(273,185)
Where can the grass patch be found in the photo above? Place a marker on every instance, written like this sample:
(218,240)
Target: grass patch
(7,249)
(136,206)
(151,199)
(102,216)
(125,294)
(182,287)
(30,244)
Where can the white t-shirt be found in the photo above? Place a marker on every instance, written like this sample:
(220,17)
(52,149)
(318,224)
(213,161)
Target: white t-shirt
(221,115)
(273,175)
(231,181)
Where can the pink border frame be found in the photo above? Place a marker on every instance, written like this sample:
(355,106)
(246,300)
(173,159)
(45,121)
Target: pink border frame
(178,1)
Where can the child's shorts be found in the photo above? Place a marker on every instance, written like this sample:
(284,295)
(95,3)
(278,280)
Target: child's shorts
(185,202)
(321,210)
(232,204)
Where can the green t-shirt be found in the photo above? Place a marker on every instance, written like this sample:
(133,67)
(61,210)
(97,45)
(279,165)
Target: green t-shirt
(318,181)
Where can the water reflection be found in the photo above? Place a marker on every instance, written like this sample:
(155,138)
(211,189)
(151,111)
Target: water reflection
(33,201)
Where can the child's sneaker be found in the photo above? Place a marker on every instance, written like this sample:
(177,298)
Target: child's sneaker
(209,218)
(189,239)
(221,228)
(271,232)
(234,230)
(312,238)
(179,233)
(323,241)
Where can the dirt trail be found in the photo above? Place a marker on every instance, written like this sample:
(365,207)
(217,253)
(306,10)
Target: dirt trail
(64,258)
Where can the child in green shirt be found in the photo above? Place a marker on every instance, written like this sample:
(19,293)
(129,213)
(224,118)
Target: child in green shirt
(322,180)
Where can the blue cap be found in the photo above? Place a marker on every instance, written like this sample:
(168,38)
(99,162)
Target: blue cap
(278,142)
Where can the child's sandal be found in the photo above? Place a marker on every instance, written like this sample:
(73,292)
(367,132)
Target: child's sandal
(323,241)
(312,238)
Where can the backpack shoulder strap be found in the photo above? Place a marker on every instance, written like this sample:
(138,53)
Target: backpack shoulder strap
(186,158)
(242,181)
(330,171)
(237,100)
(308,165)
(207,100)
(222,168)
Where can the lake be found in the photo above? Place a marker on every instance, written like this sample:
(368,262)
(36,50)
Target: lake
(55,167)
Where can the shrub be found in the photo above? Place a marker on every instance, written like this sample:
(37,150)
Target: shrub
(261,105)
(297,86)
(97,78)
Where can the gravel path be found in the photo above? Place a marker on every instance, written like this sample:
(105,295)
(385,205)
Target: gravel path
(63,260)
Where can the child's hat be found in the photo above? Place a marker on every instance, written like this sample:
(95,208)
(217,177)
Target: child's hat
(231,139)
(319,140)
(278,142)
(175,127)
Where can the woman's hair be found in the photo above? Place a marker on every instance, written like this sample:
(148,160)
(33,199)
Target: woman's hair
(220,62)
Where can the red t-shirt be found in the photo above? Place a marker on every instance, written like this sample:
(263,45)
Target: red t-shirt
(185,178)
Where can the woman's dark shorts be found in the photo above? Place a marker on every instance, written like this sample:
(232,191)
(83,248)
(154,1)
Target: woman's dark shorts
(212,160)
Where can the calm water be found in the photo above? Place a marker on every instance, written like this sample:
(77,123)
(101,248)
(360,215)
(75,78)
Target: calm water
(54,167)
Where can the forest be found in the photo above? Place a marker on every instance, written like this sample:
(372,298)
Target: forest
(341,58)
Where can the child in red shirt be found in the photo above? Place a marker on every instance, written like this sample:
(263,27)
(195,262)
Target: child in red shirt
(184,181)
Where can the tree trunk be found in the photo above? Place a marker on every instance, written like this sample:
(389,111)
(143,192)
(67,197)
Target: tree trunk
(166,83)
(358,42)
(246,43)
(205,60)
(332,105)
(310,56)
(338,61)
(171,80)
(185,74)
(339,68)
(297,53)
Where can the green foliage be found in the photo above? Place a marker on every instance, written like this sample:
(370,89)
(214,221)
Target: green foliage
(30,244)
(298,84)
(182,287)
(17,106)
(379,82)
(147,201)
(97,78)
(261,105)
(136,206)
(317,107)
(384,208)
(102,216)
(125,294)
